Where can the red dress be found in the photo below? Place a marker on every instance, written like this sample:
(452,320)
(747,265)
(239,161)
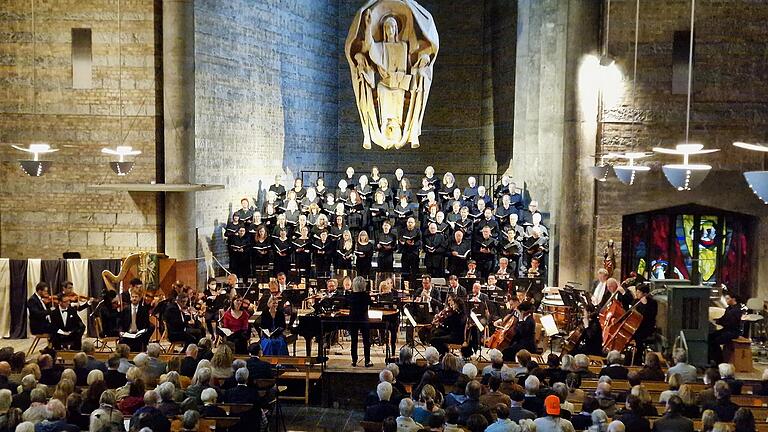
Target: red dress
(235,324)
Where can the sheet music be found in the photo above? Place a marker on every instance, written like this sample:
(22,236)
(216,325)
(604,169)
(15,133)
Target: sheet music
(409,316)
(474,317)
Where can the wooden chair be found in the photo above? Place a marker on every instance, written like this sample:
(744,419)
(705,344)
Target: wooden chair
(38,338)
(171,345)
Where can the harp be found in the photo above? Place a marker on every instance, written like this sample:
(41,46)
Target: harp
(143,265)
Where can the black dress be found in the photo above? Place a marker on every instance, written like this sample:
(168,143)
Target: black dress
(364,256)
(386,248)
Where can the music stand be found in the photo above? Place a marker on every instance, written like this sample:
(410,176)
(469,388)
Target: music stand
(550,329)
(412,313)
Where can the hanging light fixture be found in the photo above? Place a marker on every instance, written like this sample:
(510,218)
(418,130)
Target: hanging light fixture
(628,173)
(606,60)
(686,176)
(36,167)
(602,170)
(757,180)
(121,167)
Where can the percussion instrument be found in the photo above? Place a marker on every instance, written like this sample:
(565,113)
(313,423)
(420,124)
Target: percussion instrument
(553,305)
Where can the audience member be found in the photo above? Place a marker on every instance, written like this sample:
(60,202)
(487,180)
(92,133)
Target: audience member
(113,377)
(36,411)
(728,374)
(552,421)
(581,367)
(473,405)
(452,420)
(632,417)
(599,421)
(533,402)
(404,422)
(583,419)
(707,396)
(189,362)
(241,393)
(167,405)
(723,406)
(744,420)
(55,419)
(687,395)
(107,417)
(673,420)
(21,400)
(516,410)
(209,408)
(708,420)
(651,370)
(135,398)
(674,388)
(149,415)
(410,372)
(477,423)
(687,372)
(614,369)
(383,408)
(494,396)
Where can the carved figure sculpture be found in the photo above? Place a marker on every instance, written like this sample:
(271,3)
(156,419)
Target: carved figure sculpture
(391,49)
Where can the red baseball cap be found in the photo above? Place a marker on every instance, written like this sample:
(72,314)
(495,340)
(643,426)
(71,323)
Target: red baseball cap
(552,405)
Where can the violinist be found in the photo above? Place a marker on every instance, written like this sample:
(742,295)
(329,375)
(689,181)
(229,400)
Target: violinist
(66,326)
(39,309)
(134,323)
(77,301)
(182,324)
(108,311)
(235,326)
(214,302)
(272,327)
(525,337)
(448,325)
(428,294)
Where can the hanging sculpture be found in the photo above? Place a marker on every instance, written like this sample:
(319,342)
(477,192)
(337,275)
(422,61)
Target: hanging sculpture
(391,49)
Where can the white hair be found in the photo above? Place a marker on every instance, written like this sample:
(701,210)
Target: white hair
(141,360)
(532,384)
(154,349)
(470,370)
(394,368)
(406,407)
(166,390)
(616,426)
(495,356)
(95,375)
(581,361)
(726,370)
(384,391)
(386,376)
(208,395)
(432,355)
(26,426)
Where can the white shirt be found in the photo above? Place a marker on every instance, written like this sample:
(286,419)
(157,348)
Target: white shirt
(597,296)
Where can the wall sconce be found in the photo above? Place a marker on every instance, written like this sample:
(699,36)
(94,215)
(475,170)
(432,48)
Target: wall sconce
(685,176)
(121,167)
(35,167)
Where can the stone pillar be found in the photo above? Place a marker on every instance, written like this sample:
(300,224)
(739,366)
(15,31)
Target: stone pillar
(554,130)
(179,119)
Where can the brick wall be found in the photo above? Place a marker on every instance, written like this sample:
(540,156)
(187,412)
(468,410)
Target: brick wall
(456,134)
(43,217)
(265,98)
(730,90)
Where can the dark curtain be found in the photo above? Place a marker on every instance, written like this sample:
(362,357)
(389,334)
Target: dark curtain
(96,282)
(54,272)
(735,272)
(18,299)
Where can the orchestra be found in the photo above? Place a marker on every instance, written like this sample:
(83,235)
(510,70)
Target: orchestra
(292,273)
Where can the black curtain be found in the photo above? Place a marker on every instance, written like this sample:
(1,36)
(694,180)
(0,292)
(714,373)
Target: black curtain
(18,299)
(96,282)
(54,272)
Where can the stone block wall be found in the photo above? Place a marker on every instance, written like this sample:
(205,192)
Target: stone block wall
(729,103)
(44,217)
(456,133)
(266,98)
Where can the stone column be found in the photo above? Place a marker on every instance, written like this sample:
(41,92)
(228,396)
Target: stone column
(554,130)
(179,119)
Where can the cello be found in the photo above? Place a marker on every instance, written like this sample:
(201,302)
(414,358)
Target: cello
(622,331)
(611,311)
(502,337)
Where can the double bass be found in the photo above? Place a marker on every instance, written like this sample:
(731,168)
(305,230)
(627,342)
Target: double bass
(622,331)
(611,311)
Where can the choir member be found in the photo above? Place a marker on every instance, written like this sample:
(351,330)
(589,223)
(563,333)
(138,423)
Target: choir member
(356,213)
(379,211)
(403,211)
(458,253)
(445,192)
(363,254)
(375,177)
(309,199)
(470,192)
(536,223)
(454,202)
(230,231)
(434,251)
(282,252)
(482,195)
(731,326)
(385,246)
(442,226)
(320,188)
(515,198)
(277,188)
(513,225)
(272,201)
(484,252)
(135,325)
(345,251)
(359,300)
(389,195)
(245,211)
(269,216)
(342,192)
(527,215)
(322,225)
(66,329)
(302,222)
(398,176)
(363,189)
(302,251)
(323,251)
(471,270)
(291,216)
(454,213)
(511,251)
(261,250)
(38,307)
(313,213)
(403,189)
(465,223)
(488,221)
(298,189)
(502,188)
(237,325)
(350,177)
(280,223)
(329,205)
(434,182)
(257,222)
(409,241)
(421,194)
(338,228)
(239,249)
(476,211)
(503,210)
(536,246)
(272,326)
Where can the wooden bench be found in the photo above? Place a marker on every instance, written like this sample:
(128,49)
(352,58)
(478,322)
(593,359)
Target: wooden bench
(307,369)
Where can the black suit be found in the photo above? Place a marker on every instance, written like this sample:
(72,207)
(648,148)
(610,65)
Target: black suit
(240,394)
(22,400)
(142,322)
(177,326)
(525,338)
(731,322)
(258,369)
(380,411)
(39,321)
(73,324)
(617,372)
(188,366)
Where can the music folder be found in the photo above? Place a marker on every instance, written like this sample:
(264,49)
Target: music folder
(375,315)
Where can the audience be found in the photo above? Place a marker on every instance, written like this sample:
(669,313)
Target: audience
(494,397)
(383,408)
(473,405)
(706,396)
(552,421)
(632,418)
(722,406)
(673,419)
(708,420)
(503,423)
(728,374)
(516,410)
(687,372)
(651,370)
(744,420)
(614,368)
(605,398)
(599,421)
(583,419)
(404,422)
(674,388)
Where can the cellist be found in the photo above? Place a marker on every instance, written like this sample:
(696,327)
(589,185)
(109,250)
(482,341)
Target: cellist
(648,307)
(525,333)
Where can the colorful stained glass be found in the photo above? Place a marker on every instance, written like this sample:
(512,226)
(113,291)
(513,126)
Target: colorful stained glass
(708,248)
